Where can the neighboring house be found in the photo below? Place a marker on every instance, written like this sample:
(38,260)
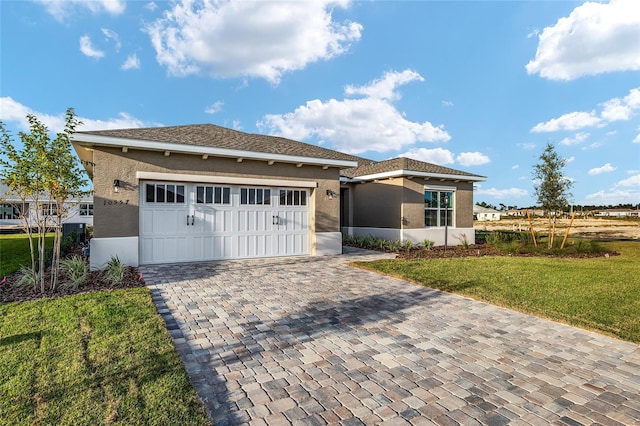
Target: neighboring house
(80,211)
(485,213)
(204,192)
(618,213)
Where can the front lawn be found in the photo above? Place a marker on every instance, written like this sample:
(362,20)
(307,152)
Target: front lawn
(601,294)
(14,252)
(94,358)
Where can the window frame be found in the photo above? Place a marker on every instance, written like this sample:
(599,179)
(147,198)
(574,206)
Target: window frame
(439,210)
(85,209)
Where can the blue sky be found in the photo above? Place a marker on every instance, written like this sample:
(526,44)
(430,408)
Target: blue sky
(478,86)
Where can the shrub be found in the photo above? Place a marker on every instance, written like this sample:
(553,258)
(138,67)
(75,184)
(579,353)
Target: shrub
(464,241)
(114,271)
(427,244)
(76,270)
(27,278)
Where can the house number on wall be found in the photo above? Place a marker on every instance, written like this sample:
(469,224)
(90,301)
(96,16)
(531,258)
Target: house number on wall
(116,202)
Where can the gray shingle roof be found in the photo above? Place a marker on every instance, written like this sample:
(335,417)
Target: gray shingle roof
(402,163)
(212,136)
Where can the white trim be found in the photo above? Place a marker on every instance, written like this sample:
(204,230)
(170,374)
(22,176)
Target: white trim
(102,249)
(440,188)
(402,172)
(201,150)
(183,177)
(328,243)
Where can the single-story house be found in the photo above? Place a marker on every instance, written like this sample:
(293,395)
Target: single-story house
(79,211)
(485,213)
(205,192)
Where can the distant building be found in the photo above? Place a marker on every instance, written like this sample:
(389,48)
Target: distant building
(485,213)
(11,209)
(619,213)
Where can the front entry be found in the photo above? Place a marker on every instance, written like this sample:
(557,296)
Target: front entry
(184,222)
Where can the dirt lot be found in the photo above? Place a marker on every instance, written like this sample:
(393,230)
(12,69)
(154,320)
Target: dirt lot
(593,228)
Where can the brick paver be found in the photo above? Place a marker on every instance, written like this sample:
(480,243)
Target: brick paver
(315,341)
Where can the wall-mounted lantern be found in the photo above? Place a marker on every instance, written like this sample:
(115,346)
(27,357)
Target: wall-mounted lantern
(116,185)
(331,194)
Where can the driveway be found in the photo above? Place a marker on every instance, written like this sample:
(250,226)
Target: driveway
(314,341)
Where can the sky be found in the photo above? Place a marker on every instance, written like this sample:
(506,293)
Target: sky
(477,86)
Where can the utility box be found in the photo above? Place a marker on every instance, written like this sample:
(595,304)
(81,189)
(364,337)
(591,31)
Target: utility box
(75,230)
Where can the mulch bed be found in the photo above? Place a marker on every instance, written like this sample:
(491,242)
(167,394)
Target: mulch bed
(479,250)
(95,282)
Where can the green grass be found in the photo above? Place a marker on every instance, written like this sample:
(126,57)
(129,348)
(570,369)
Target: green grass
(96,358)
(14,252)
(599,294)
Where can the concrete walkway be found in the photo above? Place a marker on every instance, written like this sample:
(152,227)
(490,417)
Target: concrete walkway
(315,341)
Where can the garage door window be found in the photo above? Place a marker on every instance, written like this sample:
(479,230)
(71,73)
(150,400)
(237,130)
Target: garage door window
(161,193)
(255,197)
(293,197)
(213,195)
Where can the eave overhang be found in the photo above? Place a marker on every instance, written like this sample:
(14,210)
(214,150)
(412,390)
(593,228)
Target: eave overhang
(89,141)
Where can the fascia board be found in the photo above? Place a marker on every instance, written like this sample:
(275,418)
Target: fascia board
(199,150)
(399,173)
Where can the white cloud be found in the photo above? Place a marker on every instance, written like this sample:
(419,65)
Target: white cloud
(633,181)
(132,62)
(112,35)
(472,159)
(570,159)
(615,109)
(576,140)
(527,145)
(354,126)
(636,139)
(570,121)
(599,170)
(502,193)
(515,166)
(613,197)
(385,87)
(214,108)
(250,39)
(438,156)
(63,9)
(12,111)
(87,48)
(151,6)
(594,145)
(595,38)
(447,103)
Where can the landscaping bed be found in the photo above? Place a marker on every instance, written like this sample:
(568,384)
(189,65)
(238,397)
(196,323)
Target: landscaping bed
(96,281)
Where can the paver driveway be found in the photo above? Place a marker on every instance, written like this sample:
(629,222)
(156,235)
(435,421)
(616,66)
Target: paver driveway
(315,341)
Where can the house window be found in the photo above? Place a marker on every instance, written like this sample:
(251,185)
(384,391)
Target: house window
(213,195)
(48,209)
(435,210)
(293,197)
(12,211)
(255,196)
(86,209)
(164,193)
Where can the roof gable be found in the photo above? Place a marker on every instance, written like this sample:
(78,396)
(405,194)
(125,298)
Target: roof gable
(403,166)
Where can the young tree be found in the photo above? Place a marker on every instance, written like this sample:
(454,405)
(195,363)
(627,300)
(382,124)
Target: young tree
(45,172)
(552,187)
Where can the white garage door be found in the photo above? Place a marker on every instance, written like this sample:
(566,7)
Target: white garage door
(182,222)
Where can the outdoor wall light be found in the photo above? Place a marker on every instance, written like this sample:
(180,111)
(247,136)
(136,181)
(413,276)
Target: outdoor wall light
(331,194)
(116,185)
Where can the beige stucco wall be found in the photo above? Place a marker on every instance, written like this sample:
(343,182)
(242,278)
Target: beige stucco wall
(117,215)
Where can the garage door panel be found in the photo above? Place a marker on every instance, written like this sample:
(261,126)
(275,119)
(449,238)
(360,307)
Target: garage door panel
(200,229)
